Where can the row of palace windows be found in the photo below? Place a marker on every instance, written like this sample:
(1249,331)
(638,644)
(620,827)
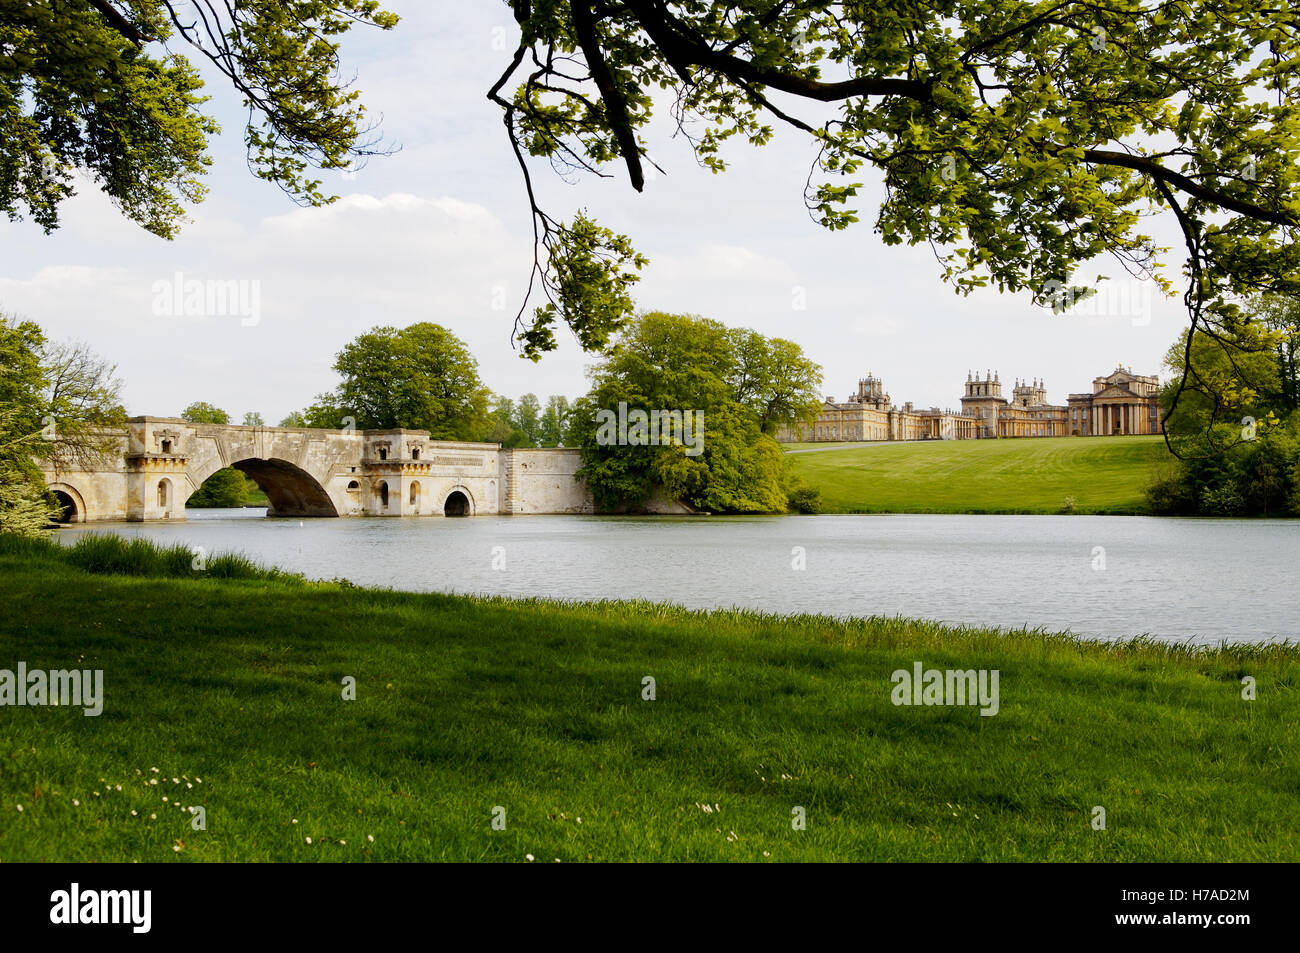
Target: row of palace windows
(832,432)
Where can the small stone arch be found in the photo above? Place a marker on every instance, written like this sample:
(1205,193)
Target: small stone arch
(382,490)
(72,502)
(459,502)
(415,492)
(164,494)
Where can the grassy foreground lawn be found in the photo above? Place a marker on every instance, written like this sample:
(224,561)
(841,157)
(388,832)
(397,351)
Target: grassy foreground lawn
(1103,474)
(233,685)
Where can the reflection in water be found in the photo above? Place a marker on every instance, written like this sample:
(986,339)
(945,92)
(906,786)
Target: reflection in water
(1198,580)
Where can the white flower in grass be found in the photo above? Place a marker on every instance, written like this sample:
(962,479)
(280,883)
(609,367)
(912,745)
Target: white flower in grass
(530,857)
(20,808)
(371,838)
(309,840)
(153,817)
(118,788)
(76,803)
(294,821)
(133,814)
(343,842)
(154,770)
(164,799)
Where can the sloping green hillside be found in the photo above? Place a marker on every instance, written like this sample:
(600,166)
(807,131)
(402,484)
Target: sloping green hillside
(1103,474)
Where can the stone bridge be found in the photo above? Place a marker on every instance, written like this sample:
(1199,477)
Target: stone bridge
(161,461)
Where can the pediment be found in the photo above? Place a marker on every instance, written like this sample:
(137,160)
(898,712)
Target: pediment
(1114,391)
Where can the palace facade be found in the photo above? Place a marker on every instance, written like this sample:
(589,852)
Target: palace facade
(1120,403)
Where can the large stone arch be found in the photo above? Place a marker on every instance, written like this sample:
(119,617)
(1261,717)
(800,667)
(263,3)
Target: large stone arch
(452,501)
(63,488)
(291,489)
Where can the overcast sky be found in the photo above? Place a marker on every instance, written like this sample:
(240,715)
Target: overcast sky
(440,232)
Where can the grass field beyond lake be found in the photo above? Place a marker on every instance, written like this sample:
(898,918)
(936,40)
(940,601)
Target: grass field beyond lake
(227,693)
(1103,474)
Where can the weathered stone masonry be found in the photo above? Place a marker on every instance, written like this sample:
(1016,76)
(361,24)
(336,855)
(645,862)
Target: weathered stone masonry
(309,472)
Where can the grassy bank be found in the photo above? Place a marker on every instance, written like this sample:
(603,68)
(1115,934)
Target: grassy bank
(226,693)
(1103,474)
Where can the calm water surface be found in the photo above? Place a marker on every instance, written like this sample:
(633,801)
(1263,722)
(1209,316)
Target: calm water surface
(1191,580)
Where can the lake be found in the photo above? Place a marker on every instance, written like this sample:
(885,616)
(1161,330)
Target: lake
(1106,577)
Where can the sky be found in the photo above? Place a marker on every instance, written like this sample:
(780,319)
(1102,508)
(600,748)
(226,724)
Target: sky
(439,231)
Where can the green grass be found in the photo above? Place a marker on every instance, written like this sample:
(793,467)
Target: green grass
(1103,474)
(233,686)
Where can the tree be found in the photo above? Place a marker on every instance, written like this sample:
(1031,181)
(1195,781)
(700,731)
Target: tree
(201,412)
(58,404)
(295,419)
(528,418)
(421,377)
(502,426)
(84,397)
(1235,423)
(1021,139)
(680,367)
(253,419)
(102,86)
(24,505)
(227,488)
(554,426)
(773,379)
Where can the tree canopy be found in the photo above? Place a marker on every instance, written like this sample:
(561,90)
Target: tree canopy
(420,377)
(56,402)
(201,412)
(107,87)
(719,459)
(1233,416)
(1020,139)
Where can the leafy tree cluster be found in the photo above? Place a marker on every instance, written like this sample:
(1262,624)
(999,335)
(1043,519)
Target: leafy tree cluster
(1020,139)
(743,384)
(57,400)
(227,487)
(201,412)
(420,377)
(1236,423)
(108,87)
(523,423)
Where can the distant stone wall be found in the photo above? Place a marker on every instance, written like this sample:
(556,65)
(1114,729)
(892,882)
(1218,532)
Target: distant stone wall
(543,481)
(160,461)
